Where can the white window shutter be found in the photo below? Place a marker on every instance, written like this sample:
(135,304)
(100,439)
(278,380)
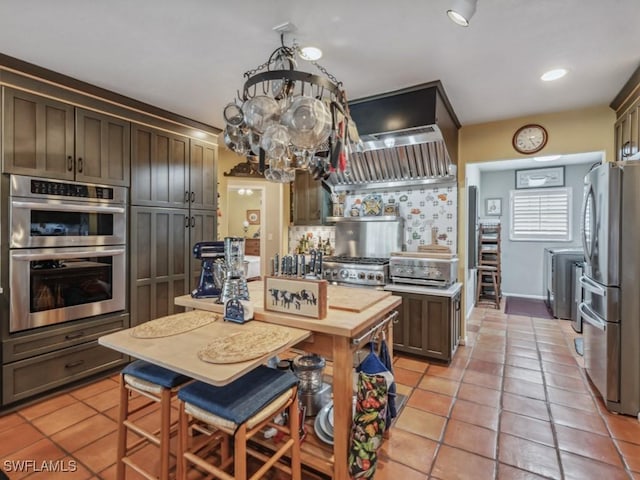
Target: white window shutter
(540,214)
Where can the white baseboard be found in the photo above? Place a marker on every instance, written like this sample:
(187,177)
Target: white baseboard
(536,297)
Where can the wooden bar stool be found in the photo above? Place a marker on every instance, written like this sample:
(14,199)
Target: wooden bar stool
(159,385)
(240,411)
(493,284)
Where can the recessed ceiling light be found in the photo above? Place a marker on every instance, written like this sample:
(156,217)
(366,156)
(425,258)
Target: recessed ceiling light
(311,53)
(554,74)
(547,158)
(461,11)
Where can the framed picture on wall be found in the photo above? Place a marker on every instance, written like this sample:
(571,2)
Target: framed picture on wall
(253,217)
(493,206)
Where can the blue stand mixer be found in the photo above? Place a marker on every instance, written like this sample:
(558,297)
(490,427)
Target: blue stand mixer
(212,256)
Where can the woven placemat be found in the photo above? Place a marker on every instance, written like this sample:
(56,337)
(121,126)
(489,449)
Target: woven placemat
(174,324)
(245,345)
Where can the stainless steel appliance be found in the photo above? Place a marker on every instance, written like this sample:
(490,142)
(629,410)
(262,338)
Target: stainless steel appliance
(610,309)
(423,270)
(410,138)
(234,286)
(362,249)
(578,270)
(52,213)
(558,286)
(211,275)
(359,271)
(79,267)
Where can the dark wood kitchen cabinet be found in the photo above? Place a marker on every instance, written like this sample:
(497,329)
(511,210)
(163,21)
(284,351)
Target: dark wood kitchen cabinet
(310,201)
(173,198)
(162,263)
(48,138)
(627,132)
(171,170)
(103,148)
(428,325)
(35,361)
(38,136)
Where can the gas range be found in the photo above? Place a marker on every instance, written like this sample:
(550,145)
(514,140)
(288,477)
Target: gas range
(356,271)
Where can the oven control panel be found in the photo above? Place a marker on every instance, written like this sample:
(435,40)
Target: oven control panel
(357,275)
(64,189)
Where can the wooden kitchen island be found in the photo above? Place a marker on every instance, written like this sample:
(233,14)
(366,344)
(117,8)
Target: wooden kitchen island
(336,338)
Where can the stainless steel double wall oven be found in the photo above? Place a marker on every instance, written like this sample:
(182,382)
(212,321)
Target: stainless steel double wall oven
(67,251)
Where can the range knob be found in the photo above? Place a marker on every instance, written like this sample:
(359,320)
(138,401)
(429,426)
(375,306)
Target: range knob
(361,275)
(344,274)
(379,277)
(370,276)
(334,273)
(327,273)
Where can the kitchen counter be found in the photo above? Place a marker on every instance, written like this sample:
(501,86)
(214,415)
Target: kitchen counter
(424,290)
(334,337)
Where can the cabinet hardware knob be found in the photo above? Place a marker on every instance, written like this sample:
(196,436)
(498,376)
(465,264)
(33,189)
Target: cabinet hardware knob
(73,336)
(193,197)
(80,165)
(193,222)
(77,363)
(70,163)
(186,197)
(186,221)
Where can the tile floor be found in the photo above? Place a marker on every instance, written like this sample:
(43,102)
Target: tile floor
(513,404)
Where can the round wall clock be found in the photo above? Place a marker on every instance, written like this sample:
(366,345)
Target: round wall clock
(530,138)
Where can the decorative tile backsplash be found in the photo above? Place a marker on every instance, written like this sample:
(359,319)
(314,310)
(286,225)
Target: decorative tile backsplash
(422,208)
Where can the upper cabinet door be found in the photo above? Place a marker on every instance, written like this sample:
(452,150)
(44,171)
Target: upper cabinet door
(38,136)
(159,168)
(202,179)
(103,148)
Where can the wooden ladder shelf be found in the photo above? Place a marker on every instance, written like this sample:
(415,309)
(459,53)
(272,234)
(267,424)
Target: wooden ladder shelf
(488,287)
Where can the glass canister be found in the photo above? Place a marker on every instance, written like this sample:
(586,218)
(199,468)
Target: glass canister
(309,370)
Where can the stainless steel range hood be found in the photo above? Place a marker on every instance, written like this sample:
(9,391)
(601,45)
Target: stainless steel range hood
(410,138)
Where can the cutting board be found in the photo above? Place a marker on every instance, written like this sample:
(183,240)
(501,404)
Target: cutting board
(353,299)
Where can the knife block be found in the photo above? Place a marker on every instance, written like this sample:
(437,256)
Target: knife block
(296,296)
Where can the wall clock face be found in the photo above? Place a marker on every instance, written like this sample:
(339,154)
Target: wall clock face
(530,139)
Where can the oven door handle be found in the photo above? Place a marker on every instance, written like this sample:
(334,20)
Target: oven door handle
(75,208)
(79,253)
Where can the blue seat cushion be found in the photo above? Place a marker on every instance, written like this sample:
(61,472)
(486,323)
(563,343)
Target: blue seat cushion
(154,374)
(242,398)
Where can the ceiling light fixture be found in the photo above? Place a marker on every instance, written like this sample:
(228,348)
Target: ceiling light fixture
(554,74)
(284,118)
(310,53)
(461,11)
(547,158)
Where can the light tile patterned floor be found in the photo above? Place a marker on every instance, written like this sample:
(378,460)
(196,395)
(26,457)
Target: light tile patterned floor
(514,404)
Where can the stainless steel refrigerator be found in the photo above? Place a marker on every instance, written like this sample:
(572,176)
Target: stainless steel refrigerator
(610,309)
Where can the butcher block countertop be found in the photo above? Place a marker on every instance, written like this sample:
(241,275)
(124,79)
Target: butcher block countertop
(180,352)
(342,319)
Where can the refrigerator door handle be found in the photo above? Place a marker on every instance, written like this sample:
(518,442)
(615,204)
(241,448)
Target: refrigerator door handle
(591,317)
(592,286)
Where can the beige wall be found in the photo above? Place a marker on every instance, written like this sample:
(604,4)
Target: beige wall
(574,131)
(275,207)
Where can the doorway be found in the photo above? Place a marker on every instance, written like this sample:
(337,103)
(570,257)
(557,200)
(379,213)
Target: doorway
(521,259)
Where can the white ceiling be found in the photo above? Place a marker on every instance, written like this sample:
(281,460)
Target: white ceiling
(188,56)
